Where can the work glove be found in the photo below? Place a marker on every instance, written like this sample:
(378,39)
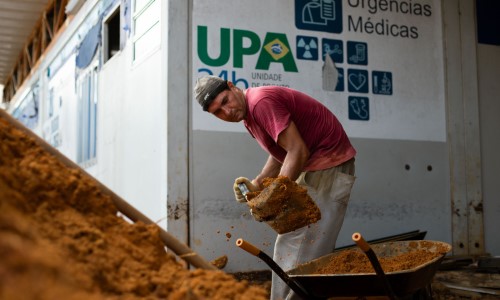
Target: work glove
(237,192)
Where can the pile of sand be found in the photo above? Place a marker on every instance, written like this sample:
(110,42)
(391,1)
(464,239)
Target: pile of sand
(61,238)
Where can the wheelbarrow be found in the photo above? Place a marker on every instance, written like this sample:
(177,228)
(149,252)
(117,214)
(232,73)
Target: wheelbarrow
(305,281)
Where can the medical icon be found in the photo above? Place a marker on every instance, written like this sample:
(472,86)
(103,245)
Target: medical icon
(334,48)
(357,81)
(319,15)
(307,47)
(357,53)
(382,82)
(318,12)
(359,108)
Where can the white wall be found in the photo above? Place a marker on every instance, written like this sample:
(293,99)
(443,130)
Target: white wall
(130,135)
(131,121)
(416,101)
(65,105)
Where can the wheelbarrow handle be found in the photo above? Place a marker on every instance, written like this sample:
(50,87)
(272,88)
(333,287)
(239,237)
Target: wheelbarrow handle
(293,284)
(363,245)
(248,247)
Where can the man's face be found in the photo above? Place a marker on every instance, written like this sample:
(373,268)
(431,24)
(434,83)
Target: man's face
(229,105)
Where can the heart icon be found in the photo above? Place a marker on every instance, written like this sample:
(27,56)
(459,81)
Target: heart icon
(357,80)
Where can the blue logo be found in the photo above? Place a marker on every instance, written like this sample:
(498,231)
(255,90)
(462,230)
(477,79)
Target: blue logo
(382,82)
(357,53)
(334,48)
(319,15)
(276,48)
(357,81)
(307,47)
(359,108)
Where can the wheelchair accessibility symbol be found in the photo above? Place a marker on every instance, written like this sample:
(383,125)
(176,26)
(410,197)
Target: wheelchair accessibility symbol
(319,15)
(359,108)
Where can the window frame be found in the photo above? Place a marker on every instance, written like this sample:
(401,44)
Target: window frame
(87,123)
(137,37)
(115,12)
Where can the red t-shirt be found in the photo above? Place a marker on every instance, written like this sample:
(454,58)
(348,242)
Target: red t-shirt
(270,110)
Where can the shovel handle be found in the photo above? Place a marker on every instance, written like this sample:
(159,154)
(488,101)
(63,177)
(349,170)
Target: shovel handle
(243,189)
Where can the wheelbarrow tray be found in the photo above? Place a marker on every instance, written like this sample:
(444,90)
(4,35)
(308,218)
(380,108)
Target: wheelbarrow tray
(403,283)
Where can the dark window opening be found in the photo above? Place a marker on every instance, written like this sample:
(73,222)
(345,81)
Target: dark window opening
(488,22)
(112,35)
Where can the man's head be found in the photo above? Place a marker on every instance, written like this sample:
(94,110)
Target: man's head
(207,88)
(221,98)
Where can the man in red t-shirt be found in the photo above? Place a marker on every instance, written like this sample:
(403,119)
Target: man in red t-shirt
(306,143)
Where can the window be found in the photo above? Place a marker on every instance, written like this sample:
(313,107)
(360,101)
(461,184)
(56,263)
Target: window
(28,111)
(111,35)
(51,124)
(146,27)
(87,117)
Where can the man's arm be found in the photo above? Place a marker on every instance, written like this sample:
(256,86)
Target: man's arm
(296,149)
(271,169)
(296,157)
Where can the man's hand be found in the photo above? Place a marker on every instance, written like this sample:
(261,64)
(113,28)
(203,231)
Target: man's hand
(238,195)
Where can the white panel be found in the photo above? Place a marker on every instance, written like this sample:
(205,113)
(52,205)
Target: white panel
(471,122)
(63,85)
(131,133)
(413,107)
(463,128)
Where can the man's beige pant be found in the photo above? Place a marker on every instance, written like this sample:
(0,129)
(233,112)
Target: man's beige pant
(330,189)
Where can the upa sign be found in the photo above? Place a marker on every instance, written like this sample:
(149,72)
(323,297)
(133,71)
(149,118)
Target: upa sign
(385,55)
(274,48)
